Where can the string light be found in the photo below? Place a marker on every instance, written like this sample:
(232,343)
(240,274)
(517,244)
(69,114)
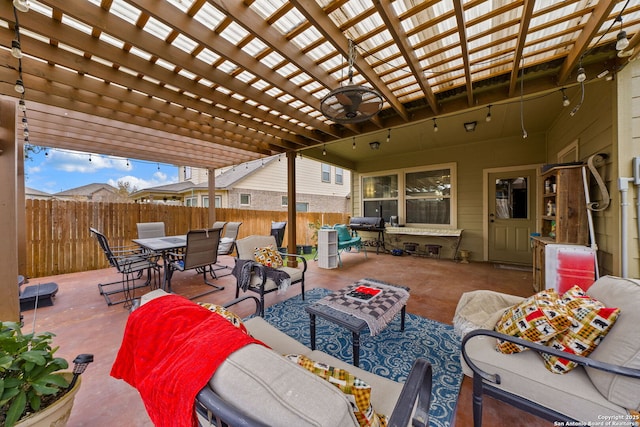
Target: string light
(565,99)
(388,135)
(324,150)
(353,145)
(19,87)
(22,106)
(488,118)
(16,52)
(21,5)
(435,125)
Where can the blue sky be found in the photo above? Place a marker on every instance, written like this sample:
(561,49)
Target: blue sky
(54,170)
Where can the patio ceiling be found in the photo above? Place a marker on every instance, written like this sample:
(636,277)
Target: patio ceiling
(212,83)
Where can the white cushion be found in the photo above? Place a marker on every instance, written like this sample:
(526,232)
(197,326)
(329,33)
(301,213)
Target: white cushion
(279,391)
(621,346)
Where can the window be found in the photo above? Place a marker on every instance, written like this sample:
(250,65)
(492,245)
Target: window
(218,201)
(326,173)
(428,197)
(187,172)
(285,201)
(191,201)
(339,176)
(380,196)
(205,201)
(302,207)
(245,199)
(423,196)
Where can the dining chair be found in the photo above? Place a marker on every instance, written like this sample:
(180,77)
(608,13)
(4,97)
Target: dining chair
(200,254)
(226,246)
(147,230)
(131,262)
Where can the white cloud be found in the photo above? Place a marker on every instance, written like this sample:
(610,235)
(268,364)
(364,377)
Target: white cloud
(69,161)
(158,178)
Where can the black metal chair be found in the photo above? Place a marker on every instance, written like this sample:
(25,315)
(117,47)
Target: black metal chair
(277,231)
(131,262)
(200,254)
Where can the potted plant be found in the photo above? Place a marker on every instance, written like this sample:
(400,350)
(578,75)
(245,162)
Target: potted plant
(33,384)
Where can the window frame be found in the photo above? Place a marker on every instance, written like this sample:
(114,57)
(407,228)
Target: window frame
(402,197)
(327,172)
(248,197)
(191,201)
(339,173)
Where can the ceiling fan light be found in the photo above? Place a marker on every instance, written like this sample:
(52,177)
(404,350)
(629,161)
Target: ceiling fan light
(351,104)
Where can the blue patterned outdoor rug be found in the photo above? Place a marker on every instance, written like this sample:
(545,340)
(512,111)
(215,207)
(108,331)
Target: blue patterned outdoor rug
(389,354)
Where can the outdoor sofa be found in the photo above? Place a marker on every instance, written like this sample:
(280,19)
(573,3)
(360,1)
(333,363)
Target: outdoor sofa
(258,386)
(603,390)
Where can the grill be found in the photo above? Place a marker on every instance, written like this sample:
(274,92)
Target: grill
(367,223)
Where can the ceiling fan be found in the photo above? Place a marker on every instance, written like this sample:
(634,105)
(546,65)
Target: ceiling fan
(351,103)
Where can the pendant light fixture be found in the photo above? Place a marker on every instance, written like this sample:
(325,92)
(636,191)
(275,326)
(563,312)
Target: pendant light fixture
(351,103)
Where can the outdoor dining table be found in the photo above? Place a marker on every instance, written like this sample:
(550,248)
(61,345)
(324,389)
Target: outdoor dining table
(163,246)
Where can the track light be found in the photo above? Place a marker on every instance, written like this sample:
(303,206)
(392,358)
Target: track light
(21,5)
(435,125)
(16,52)
(19,87)
(565,99)
(582,76)
(470,126)
(488,118)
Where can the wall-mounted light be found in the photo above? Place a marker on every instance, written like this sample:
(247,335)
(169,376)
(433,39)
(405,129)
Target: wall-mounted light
(435,125)
(488,118)
(470,126)
(565,99)
(375,145)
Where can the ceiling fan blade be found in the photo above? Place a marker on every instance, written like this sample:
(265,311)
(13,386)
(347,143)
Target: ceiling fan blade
(369,107)
(343,99)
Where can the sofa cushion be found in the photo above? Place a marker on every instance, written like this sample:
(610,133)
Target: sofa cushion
(268,256)
(590,322)
(481,309)
(622,345)
(356,390)
(538,319)
(281,392)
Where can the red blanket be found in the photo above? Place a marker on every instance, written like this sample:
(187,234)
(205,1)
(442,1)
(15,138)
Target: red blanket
(170,350)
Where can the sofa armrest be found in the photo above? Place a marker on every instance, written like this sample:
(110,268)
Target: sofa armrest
(416,392)
(300,258)
(243,298)
(539,348)
(212,407)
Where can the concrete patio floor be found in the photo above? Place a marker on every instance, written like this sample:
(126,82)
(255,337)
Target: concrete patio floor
(83,323)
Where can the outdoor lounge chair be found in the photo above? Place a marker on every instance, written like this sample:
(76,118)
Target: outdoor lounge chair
(226,246)
(259,282)
(131,262)
(200,254)
(148,230)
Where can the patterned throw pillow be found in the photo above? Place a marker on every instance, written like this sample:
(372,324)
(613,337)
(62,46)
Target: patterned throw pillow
(590,322)
(538,319)
(268,256)
(229,315)
(357,391)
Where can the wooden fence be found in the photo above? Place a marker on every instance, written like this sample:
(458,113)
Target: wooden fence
(59,241)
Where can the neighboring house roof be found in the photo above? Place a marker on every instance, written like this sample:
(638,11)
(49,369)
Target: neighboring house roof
(233,175)
(86,190)
(174,188)
(32,192)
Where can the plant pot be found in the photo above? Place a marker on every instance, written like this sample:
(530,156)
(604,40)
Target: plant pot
(56,414)
(299,249)
(307,249)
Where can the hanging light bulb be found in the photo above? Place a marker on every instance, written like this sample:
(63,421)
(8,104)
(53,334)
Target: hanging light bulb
(26,139)
(25,132)
(127,162)
(21,5)
(488,118)
(565,99)
(16,52)
(582,76)
(388,135)
(622,42)
(24,122)
(353,146)
(46,153)
(158,166)
(324,150)
(19,87)
(435,125)
(89,158)
(22,106)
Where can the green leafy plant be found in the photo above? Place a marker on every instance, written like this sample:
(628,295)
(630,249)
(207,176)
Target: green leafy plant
(29,380)
(314,227)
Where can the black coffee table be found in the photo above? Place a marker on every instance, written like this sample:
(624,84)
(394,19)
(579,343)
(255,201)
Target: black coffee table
(351,323)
